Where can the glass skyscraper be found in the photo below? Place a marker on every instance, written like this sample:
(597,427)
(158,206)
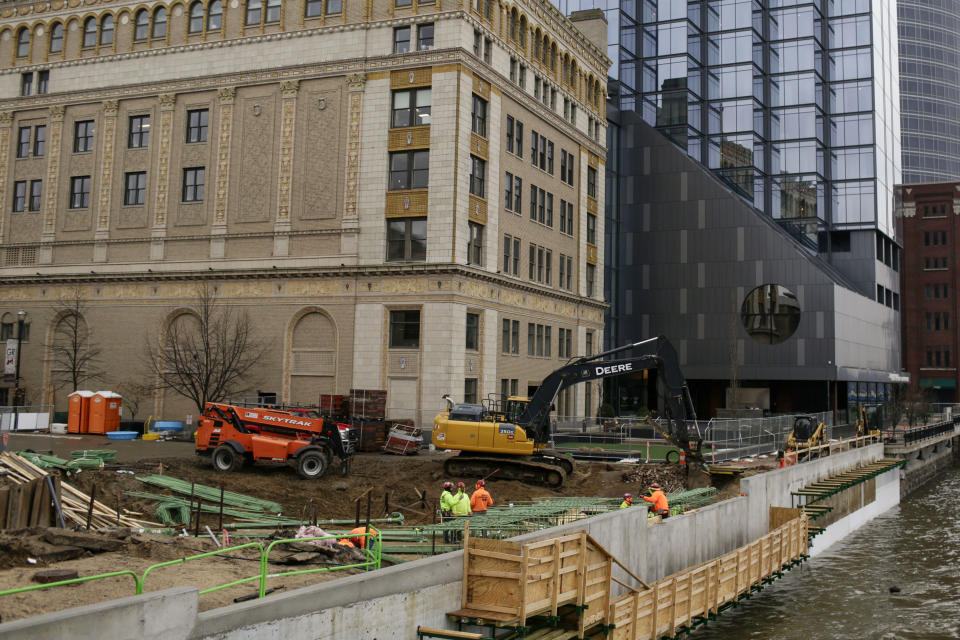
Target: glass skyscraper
(794,104)
(930,89)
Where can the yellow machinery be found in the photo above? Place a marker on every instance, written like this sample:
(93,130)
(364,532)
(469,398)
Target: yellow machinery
(511,436)
(869,420)
(807,432)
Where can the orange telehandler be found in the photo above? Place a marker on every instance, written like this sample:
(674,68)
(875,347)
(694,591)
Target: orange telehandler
(233,436)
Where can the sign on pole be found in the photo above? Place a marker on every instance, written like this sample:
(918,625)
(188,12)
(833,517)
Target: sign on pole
(10,360)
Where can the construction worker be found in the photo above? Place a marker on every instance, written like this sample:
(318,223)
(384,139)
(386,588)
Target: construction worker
(660,505)
(461,503)
(480,500)
(446,508)
(627,501)
(357,540)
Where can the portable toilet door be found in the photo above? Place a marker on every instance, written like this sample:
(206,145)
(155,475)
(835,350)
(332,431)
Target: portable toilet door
(78,411)
(108,404)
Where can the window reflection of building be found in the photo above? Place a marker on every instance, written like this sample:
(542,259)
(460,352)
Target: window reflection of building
(736,165)
(770,313)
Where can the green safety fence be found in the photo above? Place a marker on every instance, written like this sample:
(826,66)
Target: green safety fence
(372,552)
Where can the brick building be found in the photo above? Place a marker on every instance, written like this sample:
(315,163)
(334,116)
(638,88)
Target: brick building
(931,231)
(404,194)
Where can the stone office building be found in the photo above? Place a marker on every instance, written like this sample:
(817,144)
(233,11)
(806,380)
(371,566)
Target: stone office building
(402,194)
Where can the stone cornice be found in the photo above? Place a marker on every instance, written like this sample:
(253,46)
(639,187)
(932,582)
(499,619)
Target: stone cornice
(344,272)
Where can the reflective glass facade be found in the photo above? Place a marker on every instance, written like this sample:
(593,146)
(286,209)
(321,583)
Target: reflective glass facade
(794,104)
(930,89)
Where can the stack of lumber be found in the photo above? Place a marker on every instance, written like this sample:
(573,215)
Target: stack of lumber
(74,503)
(27,500)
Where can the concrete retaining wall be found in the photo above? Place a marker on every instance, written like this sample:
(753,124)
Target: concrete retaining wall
(160,615)
(390,603)
(887,497)
(924,461)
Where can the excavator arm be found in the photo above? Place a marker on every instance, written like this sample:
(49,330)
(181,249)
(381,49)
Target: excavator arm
(653,353)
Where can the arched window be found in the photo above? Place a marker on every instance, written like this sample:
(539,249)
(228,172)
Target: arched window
(488,9)
(196,18)
(565,69)
(545,57)
(513,24)
(23,43)
(215,16)
(254,12)
(553,57)
(160,23)
(90,32)
(536,44)
(56,37)
(106,30)
(141,28)
(523,31)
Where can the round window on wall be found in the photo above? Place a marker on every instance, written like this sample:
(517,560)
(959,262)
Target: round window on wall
(770,313)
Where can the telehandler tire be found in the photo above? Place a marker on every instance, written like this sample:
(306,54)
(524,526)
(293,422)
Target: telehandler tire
(225,458)
(311,465)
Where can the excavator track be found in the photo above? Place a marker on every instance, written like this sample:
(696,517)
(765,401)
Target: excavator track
(522,468)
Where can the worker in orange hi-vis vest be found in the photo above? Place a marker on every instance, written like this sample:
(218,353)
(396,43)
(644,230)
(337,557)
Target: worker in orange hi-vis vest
(660,505)
(480,501)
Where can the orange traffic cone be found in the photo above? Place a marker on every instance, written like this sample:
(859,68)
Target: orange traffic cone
(683,457)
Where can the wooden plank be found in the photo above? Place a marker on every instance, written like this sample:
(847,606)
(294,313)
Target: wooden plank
(4,501)
(484,573)
(496,555)
(445,633)
(465,582)
(555,591)
(656,611)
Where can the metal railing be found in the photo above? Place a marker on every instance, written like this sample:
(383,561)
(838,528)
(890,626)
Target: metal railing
(25,418)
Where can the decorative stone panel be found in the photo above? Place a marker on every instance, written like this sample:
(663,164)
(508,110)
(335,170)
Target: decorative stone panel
(410,78)
(478,209)
(409,138)
(403,204)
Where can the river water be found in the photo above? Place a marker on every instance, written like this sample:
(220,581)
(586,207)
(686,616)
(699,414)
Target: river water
(843,593)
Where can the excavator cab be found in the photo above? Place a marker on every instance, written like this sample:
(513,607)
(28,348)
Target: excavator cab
(870,420)
(807,432)
(500,409)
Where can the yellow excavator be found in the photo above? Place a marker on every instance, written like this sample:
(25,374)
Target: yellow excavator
(869,420)
(807,432)
(512,436)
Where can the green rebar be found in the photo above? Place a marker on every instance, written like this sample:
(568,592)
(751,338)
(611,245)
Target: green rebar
(212,494)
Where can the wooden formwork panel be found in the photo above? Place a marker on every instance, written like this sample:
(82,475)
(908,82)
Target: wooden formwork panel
(597,572)
(493,576)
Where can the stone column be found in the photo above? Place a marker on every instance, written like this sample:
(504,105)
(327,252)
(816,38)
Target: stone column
(52,182)
(168,103)
(102,233)
(288,117)
(218,241)
(6,123)
(350,225)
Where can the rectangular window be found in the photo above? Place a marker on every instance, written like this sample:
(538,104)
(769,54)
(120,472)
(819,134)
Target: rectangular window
(541,205)
(475,244)
(531,339)
(405,329)
(313,8)
(896,302)
(478,171)
(83,136)
(6,331)
(547,340)
(591,182)
(23,142)
(425,36)
(880,293)
(19,196)
(36,193)
(479,116)
(569,285)
(563,165)
(543,153)
(539,264)
(926,238)
(550,158)
(533,202)
(139,133)
(43,82)
(505,337)
(79,192)
(929,356)
(197,125)
(473,332)
(510,126)
(540,340)
(549,221)
(26,83)
(406,239)
(517,194)
(516,256)
(470,390)
(589,343)
(39,140)
(591,229)
(591,280)
(928,317)
(477,42)
(519,138)
(508,192)
(533,261)
(563,273)
(411,107)
(273,11)
(135,189)
(193,180)
(548,267)
(488,50)
(409,170)
(401,39)
(515,338)
(534,144)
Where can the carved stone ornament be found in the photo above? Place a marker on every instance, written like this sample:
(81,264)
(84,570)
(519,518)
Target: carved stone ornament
(257,110)
(289,88)
(167,100)
(356,81)
(321,103)
(956,207)
(110,107)
(411,77)
(6,118)
(409,137)
(57,111)
(406,202)
(226,94)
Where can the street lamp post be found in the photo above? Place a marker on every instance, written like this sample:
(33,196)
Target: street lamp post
(17,398)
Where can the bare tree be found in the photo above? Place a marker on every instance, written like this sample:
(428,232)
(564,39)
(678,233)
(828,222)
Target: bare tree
(74,356)
(206,352)
(134,393)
